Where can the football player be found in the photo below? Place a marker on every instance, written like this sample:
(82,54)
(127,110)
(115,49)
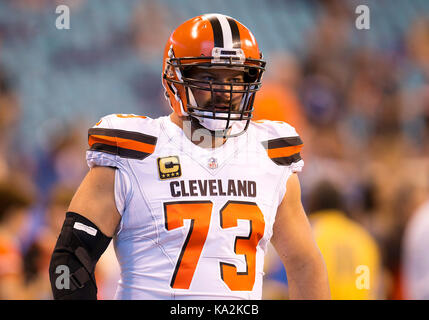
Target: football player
(192,199)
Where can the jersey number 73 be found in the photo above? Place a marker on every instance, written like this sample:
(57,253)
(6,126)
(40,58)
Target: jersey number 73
(199,213)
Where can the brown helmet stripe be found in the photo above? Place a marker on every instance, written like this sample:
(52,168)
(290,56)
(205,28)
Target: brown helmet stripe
(236,42)
(217,30)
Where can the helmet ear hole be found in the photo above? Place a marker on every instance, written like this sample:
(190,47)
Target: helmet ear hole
(251,75)
(186,70)
(252,72)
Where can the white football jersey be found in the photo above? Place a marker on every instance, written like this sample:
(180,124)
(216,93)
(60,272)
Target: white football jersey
(195,222)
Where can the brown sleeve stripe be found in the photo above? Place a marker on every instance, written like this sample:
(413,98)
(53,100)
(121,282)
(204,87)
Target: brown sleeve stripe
(123,143)
(284,151)
(282,142)
(131,135)
(285,161)
(126,144)
(124,153)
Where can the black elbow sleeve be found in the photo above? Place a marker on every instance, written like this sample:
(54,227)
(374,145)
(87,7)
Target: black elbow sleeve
(78,248)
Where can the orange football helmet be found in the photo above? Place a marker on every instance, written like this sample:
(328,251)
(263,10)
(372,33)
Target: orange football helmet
(212,41)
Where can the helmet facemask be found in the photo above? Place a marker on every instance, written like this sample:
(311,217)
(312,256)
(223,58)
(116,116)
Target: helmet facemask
(225,107)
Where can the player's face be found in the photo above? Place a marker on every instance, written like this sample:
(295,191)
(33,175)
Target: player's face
(220,101)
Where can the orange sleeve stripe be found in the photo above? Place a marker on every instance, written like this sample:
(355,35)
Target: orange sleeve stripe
(122,143)
(284,152)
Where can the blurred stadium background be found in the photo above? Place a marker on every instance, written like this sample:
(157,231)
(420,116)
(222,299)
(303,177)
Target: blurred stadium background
(358,98)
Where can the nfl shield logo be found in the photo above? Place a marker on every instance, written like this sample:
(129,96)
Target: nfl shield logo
(212,163)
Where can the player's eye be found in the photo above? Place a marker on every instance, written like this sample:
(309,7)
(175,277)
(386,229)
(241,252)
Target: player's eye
(200,76)
(207,78)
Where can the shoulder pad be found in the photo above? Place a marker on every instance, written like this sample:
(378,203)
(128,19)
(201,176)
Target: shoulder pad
(280,140)
(125,135)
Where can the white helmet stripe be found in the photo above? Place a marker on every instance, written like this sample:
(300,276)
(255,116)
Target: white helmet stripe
(225,31)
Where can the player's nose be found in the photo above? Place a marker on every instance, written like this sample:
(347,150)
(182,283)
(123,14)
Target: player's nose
(223,90)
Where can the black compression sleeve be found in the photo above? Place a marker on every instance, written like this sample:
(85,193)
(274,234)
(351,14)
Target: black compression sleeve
(78,248)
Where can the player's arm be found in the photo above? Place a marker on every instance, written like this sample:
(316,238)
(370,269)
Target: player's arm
(90,223)
(294,242)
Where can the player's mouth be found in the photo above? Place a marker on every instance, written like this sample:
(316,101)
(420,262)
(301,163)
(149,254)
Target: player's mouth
(221,107)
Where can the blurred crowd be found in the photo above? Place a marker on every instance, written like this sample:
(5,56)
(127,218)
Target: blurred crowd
(362,112)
